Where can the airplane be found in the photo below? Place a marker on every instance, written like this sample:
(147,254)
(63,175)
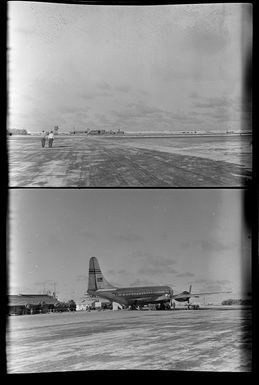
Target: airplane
(126,296)
(137,296)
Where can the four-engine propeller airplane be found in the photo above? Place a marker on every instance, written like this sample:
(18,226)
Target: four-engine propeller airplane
(134,296)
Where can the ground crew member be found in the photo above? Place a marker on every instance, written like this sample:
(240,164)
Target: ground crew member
(51,138)
(43,138)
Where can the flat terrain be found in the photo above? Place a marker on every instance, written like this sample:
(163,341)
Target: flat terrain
(204,340)
(76,161)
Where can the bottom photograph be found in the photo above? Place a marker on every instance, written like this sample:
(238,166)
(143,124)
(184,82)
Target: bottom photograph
(139,279)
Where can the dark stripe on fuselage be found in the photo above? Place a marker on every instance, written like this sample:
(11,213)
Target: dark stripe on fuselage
(93,271)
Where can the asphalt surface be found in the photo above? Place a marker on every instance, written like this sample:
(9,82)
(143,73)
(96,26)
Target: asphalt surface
(107,162)
(196,340)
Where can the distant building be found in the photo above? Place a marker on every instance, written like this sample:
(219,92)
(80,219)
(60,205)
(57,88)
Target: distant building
(79,132)
(247,301)
(17,131)
(97,132)
(31,304)
(81,307)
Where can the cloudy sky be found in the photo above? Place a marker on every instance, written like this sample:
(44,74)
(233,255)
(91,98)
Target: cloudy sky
(141,237)
(151,68)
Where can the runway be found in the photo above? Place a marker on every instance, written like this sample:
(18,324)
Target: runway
(124,162)
(204,340)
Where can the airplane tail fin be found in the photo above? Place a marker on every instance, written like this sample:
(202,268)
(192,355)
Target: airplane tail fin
(96,279)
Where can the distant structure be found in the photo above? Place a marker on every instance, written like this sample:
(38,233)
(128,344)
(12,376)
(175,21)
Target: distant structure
(79,132)
(247,301)
(96,132)
(56,128)
(93,303)
(17,131)
(31,304)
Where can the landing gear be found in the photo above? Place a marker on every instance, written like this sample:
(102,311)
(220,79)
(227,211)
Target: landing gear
(163,306)
(133,306)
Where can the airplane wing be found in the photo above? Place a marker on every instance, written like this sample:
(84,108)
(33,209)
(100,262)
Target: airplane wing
(211,292)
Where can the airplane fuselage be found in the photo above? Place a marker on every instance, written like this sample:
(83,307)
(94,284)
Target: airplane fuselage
(135,295)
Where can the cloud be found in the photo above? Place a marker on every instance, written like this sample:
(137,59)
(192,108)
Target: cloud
(222,281)
(25,31)
(185,275)
(104,86)
(170,74)
(194,95)
(184,118)
(156,270)
(142,92)
(209,281)
(118,272)
(69,109)
(152,264)
(87,234)
(152,258)
(15,290)
(212,285)
(122,88)
(102,118)
(142,282)
(86,96)
(223,108)
(48,284)
(206,245)
(101,89)
(202,39)
(148,116)
(130,237)
(223,102)
(82,277)
(137,110)
(143,111)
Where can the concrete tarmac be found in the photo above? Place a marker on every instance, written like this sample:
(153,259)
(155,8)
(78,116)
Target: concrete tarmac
(107,162)
(196,340)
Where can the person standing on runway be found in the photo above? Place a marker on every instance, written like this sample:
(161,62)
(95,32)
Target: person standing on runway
(43,138)
(51,138)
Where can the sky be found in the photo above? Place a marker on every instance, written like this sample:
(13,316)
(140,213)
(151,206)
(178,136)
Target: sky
(135,68)
(140,237)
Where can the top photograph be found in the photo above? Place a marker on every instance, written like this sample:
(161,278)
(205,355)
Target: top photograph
(129,96)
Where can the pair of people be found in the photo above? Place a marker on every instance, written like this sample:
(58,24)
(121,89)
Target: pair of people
(45,136)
